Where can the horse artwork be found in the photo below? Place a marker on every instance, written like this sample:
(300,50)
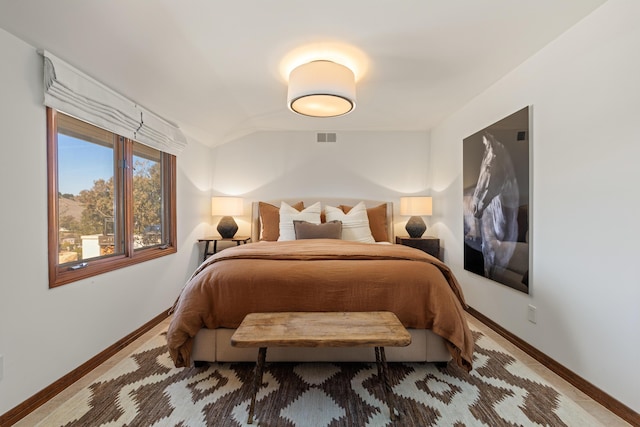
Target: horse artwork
(495,202)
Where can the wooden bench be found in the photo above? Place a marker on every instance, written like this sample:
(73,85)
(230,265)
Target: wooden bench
(376,329)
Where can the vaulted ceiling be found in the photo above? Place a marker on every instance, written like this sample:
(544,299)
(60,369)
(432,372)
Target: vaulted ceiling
(218,68)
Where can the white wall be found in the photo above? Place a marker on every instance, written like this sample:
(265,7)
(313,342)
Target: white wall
(46,333)
(584,89)
(367,165)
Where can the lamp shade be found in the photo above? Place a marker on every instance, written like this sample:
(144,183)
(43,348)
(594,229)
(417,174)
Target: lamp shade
(226,206)
(321,89)
(416,206)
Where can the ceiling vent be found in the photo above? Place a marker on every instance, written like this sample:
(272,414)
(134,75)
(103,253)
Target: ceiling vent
(326,137)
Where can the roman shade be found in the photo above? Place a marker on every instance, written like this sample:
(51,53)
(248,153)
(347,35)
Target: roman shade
(73,92)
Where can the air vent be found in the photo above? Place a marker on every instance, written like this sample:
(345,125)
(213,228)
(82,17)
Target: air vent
(326,137)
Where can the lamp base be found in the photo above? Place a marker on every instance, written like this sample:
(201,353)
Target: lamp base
(227,227)
(415,227)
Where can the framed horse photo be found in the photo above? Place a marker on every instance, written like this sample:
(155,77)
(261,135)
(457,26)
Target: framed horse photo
(496,201)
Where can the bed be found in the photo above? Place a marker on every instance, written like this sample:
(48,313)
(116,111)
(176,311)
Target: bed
(361,271)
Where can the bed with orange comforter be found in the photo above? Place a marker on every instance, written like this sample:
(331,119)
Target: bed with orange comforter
(321,275)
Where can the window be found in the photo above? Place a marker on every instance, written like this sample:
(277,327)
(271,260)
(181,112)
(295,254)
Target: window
(111,200)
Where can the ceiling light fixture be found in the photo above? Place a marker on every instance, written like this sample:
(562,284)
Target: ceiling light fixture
(322,89)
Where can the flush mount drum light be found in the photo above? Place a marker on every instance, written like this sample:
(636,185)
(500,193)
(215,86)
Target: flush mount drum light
(322,89)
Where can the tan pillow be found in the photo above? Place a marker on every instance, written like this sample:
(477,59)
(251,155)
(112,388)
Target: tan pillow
(377,221)
(308,230)
(270,220)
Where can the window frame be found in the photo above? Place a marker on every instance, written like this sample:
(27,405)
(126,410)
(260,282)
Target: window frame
(61,275)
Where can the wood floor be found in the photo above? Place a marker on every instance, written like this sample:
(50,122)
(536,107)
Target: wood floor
(606,417)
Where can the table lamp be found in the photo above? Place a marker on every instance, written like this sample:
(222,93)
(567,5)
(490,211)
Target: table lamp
(415,207)
(227,207)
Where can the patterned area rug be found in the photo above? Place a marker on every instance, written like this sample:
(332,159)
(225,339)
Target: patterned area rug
(146,390)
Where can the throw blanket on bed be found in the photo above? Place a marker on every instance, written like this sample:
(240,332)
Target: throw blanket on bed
(321,275)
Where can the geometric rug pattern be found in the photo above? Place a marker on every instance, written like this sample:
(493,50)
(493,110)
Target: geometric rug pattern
(145,389)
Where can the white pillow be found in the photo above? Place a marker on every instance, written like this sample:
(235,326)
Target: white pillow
(288,214)
(355,224)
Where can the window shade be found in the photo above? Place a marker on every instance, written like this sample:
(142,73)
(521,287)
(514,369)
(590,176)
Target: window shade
(75,93)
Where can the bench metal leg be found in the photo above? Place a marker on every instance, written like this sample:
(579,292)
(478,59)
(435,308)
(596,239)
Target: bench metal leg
(383,374)
(257,380)
(378,362)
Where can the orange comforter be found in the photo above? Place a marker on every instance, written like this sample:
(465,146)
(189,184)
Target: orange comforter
(321,275)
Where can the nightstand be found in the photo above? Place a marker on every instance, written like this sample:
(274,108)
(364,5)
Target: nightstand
(430,245)
(215,240)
